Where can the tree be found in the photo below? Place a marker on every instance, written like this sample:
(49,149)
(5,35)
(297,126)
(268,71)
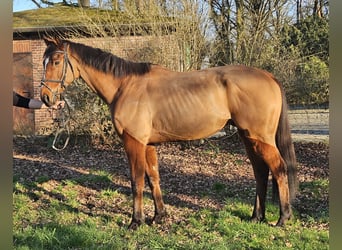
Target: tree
(311,35)
(244,28)
(293,45)
(317,8)
(311,41)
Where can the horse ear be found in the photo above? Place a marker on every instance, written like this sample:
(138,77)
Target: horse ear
(52,41)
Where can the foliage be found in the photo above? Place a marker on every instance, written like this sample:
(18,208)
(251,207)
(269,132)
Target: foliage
(310,84)
(311,36)
(90,117)
(263,34)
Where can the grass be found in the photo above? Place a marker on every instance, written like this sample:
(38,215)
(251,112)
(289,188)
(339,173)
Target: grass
(58,219)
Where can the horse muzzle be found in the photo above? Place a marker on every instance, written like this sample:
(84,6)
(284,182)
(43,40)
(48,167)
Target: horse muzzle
(47,100)
(48,96)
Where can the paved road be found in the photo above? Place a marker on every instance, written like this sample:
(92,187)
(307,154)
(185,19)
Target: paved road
(310,125)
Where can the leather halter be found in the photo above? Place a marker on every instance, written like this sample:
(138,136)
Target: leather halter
(66,63)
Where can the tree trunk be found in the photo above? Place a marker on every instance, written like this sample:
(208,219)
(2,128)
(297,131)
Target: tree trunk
(299,11)
(317,8)
(239,29)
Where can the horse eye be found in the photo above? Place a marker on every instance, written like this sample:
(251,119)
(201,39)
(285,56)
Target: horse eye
(56,63)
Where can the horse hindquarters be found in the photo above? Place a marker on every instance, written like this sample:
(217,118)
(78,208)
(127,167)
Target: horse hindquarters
(281,160)
(143,159)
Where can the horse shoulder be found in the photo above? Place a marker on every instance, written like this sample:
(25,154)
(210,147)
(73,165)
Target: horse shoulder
(131,111)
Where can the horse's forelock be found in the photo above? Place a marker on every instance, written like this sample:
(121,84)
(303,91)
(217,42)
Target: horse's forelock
(49,50)
(53,46)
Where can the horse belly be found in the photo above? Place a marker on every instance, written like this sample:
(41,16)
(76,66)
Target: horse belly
(190,120)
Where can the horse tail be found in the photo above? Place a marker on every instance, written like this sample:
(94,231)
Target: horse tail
(285,146)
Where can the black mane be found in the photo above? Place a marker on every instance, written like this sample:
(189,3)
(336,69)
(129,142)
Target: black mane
(107,62)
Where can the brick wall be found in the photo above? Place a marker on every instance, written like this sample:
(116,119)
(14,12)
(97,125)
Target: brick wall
(42,116)
(21,46)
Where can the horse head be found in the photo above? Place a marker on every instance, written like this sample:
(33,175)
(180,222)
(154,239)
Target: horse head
(58,71)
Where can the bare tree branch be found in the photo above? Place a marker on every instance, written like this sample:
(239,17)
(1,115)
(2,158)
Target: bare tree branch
(47,2)
(36,3)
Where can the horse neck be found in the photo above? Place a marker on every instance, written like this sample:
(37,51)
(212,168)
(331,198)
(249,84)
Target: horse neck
(103,84)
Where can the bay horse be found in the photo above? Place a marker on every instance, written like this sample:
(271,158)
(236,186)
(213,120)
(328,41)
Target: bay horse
(150,104)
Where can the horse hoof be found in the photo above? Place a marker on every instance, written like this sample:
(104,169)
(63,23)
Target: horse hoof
(134,225)
(257,220)
(283,219)
(159,218)
(280,223)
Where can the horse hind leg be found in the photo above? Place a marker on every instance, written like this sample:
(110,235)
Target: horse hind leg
(261,172)
(271,156)
(261,175)
(153,178)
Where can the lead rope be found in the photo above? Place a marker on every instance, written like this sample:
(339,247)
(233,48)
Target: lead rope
(63,127)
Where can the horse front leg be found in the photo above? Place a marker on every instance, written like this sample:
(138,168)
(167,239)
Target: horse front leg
(153,181)
(136,158)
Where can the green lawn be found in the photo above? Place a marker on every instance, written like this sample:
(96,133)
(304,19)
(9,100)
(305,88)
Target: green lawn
(55,219)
